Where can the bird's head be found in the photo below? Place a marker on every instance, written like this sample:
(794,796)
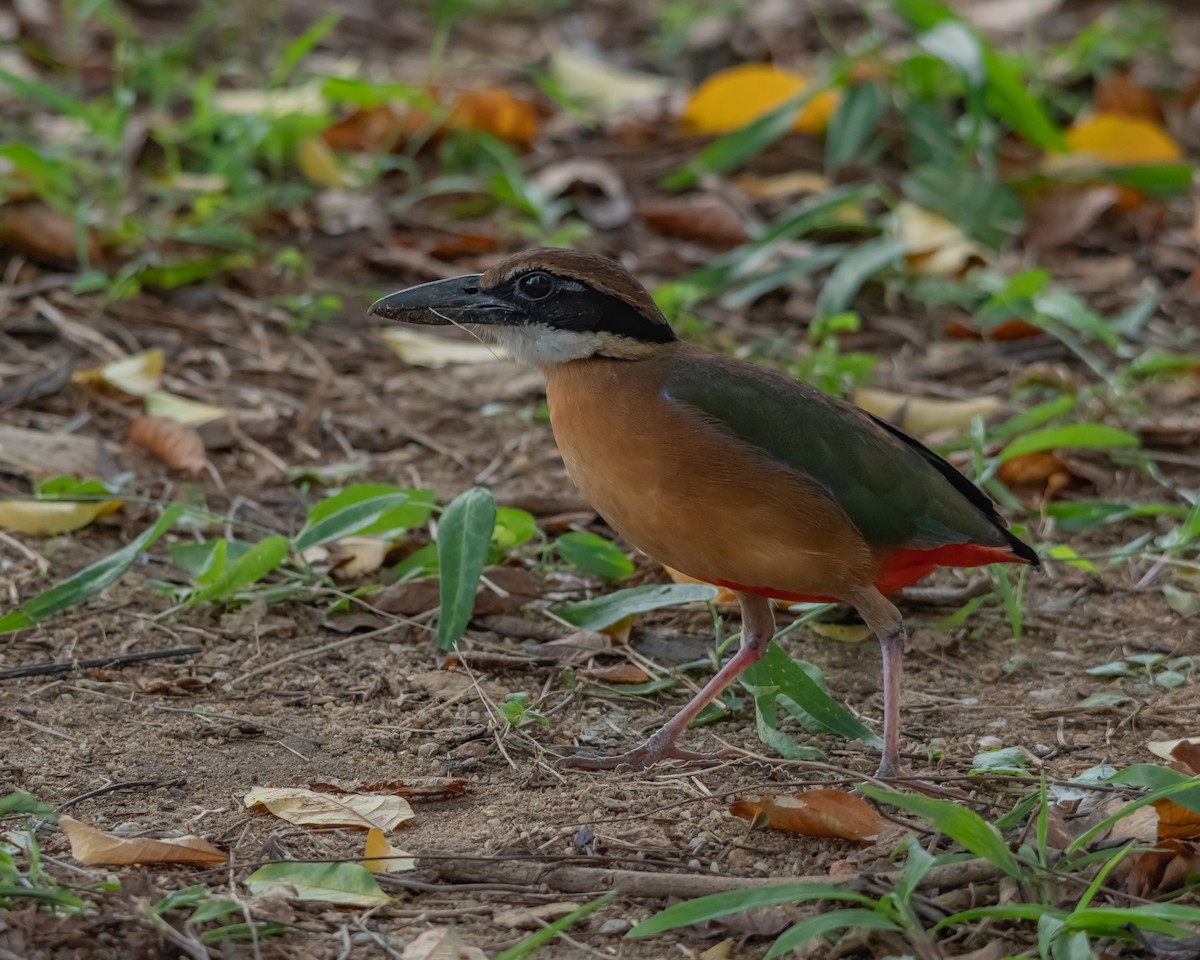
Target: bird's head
(544,306)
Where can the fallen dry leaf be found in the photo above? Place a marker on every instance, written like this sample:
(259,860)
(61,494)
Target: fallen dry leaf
(1065,212)
(922,414)
(497,112)
(933,245)
(1120,94)
(160,403)
(93,847)
(43,234)
(320,165)
(533,918)
(134,376)
(441,943)
(617,673)
(42,518)
(42,454)
(1118,140)
(1004,331)
(1175,821)
(178,445)
(367,130)
(307,808)
(377,846)
(816,813)
(601,84)
(731,99)
(1171,865)
(702,217)
(599,190)
(1042,470)
(783,184)
(353,556)
(1166,749)
(428,350)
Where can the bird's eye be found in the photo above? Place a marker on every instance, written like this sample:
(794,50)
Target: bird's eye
(536,286)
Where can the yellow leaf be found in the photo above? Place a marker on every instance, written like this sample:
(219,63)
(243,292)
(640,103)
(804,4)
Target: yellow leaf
(427,350)
(135,375)
(93,847)
(842,632)
(1120,140)
(307,808)
(924,415)
(321,165)
(724,594)
(732,98)
(784,184)
(42,518)
(933,245)
(159,403)
(377,845)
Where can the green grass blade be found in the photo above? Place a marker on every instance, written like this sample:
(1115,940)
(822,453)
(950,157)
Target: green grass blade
(1089,435)
(606,610)
(250,567)
(856,918)
(736,901)
(530,944)
(853,123)
(89,581)
(957,822)
(348,520)
(852,271)
(464,534)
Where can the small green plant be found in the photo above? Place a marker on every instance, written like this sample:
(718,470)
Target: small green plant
(516,710)
(22,875)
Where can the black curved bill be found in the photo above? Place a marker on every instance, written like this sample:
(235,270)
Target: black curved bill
(457,300)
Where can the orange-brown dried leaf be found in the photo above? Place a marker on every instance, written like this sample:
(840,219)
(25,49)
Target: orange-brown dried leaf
(498,112)
(1005,330)
(93,847)
(1188,754)
(1171,865)
(1121,94)
(617,673)
(1176,822)
(368,130)
(816,813)
(1041,469)
(704,218)
(176,444)
(43,234)
(455,245)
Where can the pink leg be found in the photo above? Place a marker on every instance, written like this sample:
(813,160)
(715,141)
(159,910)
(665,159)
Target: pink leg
(758,626)
(882,616)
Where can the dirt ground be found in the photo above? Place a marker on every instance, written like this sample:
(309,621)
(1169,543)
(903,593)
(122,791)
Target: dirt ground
(284,694)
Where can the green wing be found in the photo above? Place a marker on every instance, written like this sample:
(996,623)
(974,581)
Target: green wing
(895,491)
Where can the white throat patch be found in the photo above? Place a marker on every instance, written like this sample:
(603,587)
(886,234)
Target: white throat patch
(540,346)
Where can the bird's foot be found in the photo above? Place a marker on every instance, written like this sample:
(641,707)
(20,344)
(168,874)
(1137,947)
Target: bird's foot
(639,758)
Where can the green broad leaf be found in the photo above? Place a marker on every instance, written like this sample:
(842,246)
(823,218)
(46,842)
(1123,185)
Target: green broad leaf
(18,803)
(855,919)
(733,149)
(1012,760)
(778,676)
(250,567)
(349,520)
(1061,307)
(987,211)
(198,558)
(852,124)
(89,581)
(1110,671)
(1067,555)
(1077,515)
(463,537)
(513,528)
(952,42)
(1009,98)
(71,488)
(719,905)
(853,270)
(959,823)
(536,940)
(1092,436)
(302,46)
(606,610)
(593,553)
(348,884)
(412,513)
(422,562)
(180,273)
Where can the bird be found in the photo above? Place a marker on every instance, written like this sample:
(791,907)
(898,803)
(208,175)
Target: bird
(733,473)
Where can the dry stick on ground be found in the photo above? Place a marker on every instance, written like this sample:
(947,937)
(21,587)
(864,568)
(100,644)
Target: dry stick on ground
(67,666)
(636,883)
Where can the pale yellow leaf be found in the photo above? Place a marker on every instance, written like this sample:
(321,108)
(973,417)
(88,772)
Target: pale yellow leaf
(933,245)
(321,165)
(922,414)
(135,375)
(601,84)
(784,184)
(1164,748)
(427,350)
(93,847)
(441,943)
(842,632)
(307,808)
(41,518)
(377,845)
(724,594)
(159,403)
(354,556)
(733,98)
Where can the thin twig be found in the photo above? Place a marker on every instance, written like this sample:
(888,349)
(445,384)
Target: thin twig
(50,667)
